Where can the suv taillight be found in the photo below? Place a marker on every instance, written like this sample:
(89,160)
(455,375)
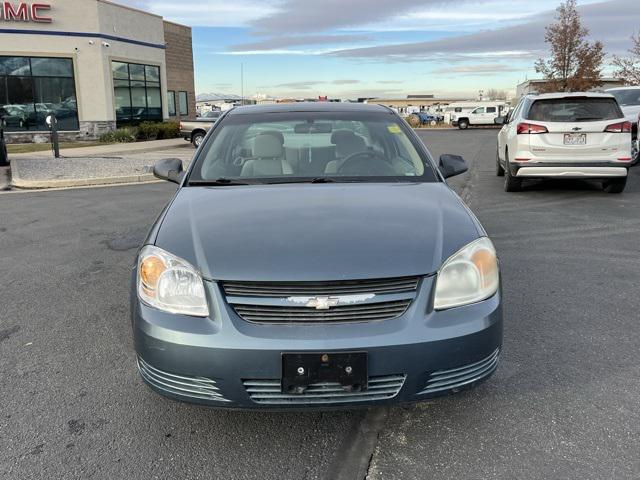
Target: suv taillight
(531,129)
(622,127)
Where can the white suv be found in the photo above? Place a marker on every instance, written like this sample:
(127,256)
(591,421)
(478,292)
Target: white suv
(565,135)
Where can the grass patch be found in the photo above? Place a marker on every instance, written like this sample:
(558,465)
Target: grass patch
(42,147)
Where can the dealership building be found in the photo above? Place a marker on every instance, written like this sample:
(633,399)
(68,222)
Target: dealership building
(94,64)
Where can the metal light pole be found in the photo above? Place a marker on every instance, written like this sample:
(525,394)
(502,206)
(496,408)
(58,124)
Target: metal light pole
(242,82)
(4,158)
(53,125)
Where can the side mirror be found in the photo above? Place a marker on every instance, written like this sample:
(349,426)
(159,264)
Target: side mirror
(452,165)
(169,169)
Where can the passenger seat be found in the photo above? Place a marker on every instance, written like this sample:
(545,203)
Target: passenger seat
(267,159)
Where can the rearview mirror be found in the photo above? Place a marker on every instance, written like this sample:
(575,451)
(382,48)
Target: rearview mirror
(452,165)
(313,128)
(169,169)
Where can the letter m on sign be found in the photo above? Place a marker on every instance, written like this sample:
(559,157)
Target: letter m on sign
(19,13)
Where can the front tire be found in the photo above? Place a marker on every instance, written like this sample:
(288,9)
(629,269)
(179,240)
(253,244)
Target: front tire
(463,124)
(499,169)
(511,183)
(614,186)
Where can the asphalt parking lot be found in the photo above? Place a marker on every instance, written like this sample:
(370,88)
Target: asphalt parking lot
(564,403)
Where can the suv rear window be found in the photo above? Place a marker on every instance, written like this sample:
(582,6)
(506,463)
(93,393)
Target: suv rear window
(576,109)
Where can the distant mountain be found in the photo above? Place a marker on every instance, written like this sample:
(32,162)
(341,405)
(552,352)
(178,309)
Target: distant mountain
(212,97)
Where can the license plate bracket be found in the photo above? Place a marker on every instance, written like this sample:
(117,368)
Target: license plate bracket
(575,138)
(300,370)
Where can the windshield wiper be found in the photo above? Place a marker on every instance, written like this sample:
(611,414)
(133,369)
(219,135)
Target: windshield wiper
(219,181)
(587,119)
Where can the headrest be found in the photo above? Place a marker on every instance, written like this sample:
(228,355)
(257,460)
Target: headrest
(275,133)
(347,143)
(267,146)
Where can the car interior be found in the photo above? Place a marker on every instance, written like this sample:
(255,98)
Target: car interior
(312,153)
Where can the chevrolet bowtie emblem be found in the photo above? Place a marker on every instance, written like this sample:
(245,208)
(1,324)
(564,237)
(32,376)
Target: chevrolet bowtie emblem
(322,303)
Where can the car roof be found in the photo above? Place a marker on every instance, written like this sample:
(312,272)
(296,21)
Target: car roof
(310,107)
(550,96)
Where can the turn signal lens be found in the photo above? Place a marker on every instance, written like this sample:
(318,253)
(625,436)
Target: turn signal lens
(530,129)
(469,276)
(170,284)
(622,127)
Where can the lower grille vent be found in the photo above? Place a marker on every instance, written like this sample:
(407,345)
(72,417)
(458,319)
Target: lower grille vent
(454,378)
(268,392)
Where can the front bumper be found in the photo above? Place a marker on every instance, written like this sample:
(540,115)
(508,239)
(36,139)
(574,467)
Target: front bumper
(229,362)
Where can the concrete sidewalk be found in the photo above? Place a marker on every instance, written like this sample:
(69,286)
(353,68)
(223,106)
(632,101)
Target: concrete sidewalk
(96,165)
(110,149)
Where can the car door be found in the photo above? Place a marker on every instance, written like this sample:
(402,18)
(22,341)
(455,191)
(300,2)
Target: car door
(489,117)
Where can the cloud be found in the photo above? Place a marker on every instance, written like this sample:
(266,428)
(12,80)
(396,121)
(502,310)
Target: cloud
(295,16)
(477,69)
(301,85)
(277,43)
(613,21)
(345,82)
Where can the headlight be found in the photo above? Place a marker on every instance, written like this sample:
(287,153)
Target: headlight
(468,276)
(169,283)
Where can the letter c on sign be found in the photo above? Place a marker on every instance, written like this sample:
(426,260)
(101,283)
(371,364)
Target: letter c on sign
(35,13)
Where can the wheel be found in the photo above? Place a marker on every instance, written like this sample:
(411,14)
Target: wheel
(499,169)
(614,186)
(197,138)
(511,183)
(463,124)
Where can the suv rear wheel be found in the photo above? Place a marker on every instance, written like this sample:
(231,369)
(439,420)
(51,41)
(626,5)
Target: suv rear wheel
(511,183)
(614,186)
(499,169)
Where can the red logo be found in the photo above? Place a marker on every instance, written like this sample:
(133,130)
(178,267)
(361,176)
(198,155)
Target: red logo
(24,12)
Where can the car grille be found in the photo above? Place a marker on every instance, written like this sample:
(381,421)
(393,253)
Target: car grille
(352,313)
(349,301)
(182,385)
(291,289)
(455,378)
(268,392)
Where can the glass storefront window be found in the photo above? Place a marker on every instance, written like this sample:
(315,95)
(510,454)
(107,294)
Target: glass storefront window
(184,103)
(33,87)
(137,92)
(171,103)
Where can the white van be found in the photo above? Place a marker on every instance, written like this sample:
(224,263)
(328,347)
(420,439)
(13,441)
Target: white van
(484,113)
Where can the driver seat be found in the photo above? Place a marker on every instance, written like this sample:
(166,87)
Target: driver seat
(346,143)
(268,158)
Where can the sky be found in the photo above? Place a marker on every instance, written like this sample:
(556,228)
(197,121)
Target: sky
(383,48)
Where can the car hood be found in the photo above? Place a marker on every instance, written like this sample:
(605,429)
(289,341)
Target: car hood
(316,232)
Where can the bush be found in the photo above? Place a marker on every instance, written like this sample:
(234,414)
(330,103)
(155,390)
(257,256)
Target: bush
(168,130)
(121,135)
(148,131)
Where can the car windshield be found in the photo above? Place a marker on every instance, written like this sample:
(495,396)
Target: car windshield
(574,109)
(310,147)
(626,97)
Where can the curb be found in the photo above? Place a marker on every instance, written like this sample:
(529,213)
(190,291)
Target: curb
(18,182)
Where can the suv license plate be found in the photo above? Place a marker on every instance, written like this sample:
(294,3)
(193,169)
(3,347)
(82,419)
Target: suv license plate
(575,138)
(300,370)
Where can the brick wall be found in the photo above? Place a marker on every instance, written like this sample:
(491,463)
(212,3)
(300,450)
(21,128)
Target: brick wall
(179,60)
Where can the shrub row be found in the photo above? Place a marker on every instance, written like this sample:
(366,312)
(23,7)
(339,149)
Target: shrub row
(144,131)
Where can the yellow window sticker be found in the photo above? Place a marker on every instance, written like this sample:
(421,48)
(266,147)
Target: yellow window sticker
(394,128)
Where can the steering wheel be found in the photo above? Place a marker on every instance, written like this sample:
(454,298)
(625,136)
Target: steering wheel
(369,163)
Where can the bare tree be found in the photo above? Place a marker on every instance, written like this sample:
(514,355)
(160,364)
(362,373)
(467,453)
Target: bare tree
(574,63)
(494,94)
(628,68)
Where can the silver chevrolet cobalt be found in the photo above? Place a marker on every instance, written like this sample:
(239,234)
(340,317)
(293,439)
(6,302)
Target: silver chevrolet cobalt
(314,256)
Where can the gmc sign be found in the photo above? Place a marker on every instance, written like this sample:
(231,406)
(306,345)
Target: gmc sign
(24,12)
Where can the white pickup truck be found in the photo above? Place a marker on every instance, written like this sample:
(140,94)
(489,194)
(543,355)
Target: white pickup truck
(485,113)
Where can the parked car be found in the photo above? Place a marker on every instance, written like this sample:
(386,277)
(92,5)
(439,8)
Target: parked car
(14,116)
(484,114)
(264,284)
(629,100)
(194,131)
(565,135)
